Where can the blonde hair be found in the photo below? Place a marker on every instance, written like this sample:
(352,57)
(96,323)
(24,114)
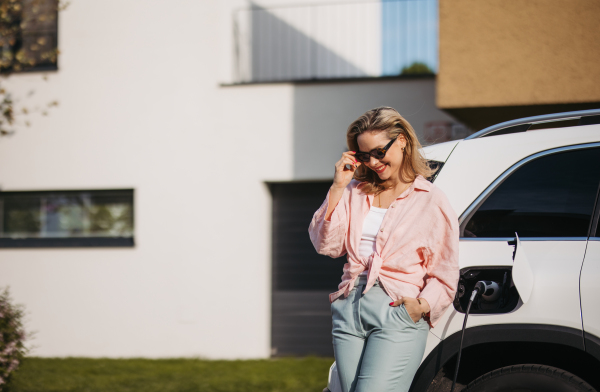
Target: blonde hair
(386,119)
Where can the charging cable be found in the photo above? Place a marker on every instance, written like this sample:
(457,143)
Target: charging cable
(480,288)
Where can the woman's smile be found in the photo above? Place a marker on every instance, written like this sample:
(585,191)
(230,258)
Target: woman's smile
(380,169)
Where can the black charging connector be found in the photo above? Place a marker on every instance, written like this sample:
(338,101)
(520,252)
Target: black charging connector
(480,288)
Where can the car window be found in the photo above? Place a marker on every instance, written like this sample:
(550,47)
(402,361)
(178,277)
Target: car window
(552,196)
(436,166)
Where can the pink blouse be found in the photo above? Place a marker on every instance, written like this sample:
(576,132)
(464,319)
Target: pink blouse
(416,248)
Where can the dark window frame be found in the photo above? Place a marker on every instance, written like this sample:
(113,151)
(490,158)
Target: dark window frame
(70,242)
(51,33)
(468,214)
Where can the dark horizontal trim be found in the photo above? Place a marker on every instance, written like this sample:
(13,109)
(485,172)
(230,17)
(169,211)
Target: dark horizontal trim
(334,80)
(63,192)
(320,180)
(498,333)
(36,68)
(72,242)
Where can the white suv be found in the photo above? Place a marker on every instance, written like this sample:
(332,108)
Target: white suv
(529,179)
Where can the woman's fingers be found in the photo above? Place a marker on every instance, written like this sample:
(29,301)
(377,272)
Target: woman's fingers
(351,166)
(343,163)
(349,155)
(397,303)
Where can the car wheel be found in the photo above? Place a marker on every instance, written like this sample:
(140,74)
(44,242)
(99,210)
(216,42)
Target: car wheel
(529,378)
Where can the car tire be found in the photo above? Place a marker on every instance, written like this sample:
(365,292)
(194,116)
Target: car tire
(529,378)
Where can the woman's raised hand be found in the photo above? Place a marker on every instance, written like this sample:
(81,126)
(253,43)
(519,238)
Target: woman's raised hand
(341,179)
(343,176)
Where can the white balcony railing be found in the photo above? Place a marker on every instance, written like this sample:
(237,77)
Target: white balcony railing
(337,40)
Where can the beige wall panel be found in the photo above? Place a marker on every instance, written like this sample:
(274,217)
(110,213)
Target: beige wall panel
(514,52)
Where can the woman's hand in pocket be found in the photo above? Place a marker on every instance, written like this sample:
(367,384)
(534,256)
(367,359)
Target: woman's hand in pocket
(415,307)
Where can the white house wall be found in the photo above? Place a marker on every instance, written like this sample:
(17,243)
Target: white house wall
(323,112)
(142,107)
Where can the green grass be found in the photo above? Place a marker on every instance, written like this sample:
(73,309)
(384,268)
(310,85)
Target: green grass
(166,375)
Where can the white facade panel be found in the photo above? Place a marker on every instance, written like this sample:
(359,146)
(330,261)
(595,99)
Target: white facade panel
(141,107)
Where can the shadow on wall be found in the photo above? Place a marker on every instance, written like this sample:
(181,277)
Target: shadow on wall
(323,112)
(279,51)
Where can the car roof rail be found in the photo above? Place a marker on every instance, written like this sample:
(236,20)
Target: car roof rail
(523,124)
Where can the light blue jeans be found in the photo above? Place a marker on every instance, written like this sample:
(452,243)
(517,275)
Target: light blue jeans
(377,347)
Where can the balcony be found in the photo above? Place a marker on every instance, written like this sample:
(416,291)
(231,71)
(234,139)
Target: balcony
(347,40)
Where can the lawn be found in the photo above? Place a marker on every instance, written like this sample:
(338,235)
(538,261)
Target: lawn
(166,375)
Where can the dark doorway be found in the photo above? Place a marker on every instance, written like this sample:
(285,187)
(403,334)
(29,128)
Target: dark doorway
(301,278)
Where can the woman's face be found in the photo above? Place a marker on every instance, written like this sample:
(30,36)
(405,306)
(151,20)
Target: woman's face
(391,163)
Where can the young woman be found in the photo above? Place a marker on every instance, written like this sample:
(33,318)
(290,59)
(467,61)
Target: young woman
(400,235)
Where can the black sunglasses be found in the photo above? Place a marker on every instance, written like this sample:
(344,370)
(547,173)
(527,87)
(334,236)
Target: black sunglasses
(377,153)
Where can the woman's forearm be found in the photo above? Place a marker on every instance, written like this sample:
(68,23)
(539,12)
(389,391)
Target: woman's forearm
(335,194)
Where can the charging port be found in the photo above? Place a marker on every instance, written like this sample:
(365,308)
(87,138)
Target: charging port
(503,301)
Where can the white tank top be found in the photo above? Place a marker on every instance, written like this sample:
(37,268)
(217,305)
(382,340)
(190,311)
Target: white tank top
(370,230)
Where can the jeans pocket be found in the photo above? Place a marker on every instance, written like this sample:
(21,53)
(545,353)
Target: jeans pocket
(407,315)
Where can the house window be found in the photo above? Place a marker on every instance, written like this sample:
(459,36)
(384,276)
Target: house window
(29,36)
(66,218)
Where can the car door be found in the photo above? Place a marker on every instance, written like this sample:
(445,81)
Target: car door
(548,200)
(590,288)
